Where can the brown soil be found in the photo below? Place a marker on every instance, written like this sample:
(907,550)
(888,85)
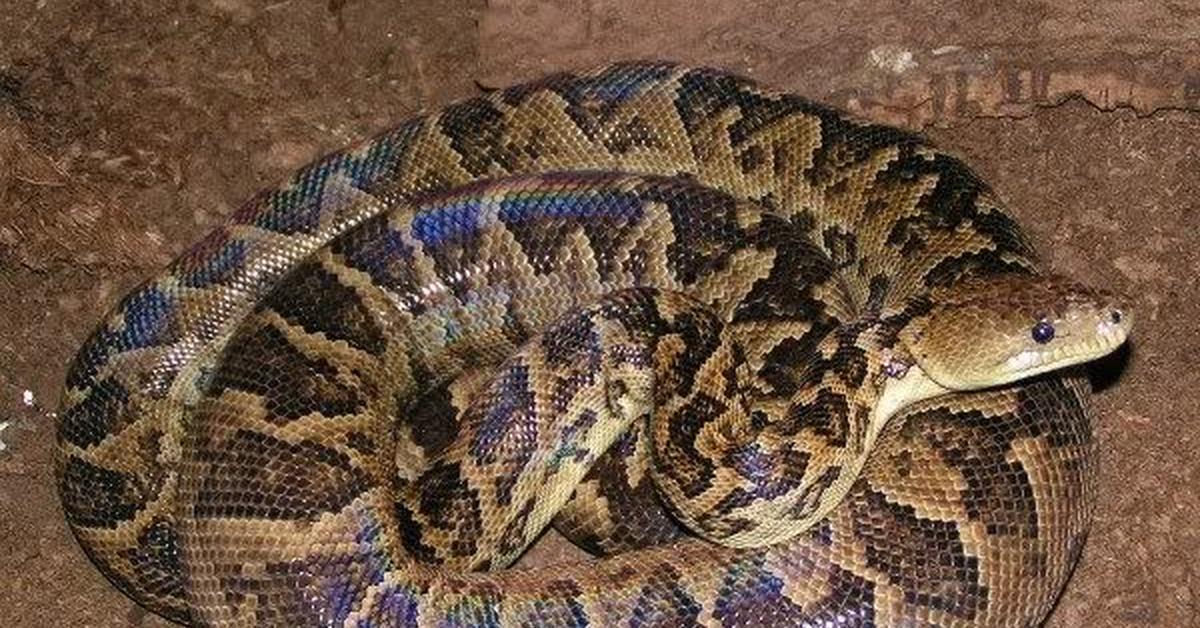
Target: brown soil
(128,130)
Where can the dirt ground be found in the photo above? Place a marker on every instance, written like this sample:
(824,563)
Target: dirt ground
(129,129)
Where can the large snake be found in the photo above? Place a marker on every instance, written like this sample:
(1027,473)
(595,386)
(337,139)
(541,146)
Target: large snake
(781,366)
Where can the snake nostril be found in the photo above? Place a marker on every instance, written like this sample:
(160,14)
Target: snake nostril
(1116,317)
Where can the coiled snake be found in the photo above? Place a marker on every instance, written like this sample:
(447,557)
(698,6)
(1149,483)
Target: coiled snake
(784,366)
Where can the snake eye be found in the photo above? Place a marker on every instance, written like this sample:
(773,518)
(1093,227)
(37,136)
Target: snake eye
(1043,332)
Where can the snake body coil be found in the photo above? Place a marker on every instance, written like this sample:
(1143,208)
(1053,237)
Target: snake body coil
(775,361)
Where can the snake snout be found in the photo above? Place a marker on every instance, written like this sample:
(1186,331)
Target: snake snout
(1084,325)
(1114,322)
(1019,326)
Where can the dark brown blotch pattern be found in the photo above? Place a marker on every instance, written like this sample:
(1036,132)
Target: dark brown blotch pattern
(291,383)
(315,300)
(253,475)
(925,557)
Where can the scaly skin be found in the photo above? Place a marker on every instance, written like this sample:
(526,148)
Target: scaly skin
(781,298)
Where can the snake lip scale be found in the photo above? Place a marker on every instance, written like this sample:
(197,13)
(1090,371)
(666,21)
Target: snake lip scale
(773,365)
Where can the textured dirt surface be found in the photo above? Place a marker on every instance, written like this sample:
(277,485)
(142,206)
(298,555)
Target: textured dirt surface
(128,130)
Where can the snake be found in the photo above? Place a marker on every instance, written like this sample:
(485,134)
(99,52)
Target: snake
(773,364)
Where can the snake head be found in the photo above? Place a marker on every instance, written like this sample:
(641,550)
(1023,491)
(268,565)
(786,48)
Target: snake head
(991,331)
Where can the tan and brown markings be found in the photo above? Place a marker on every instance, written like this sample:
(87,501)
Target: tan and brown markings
(245,440)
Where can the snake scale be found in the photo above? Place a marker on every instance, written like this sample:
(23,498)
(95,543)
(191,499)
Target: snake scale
(777,365)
